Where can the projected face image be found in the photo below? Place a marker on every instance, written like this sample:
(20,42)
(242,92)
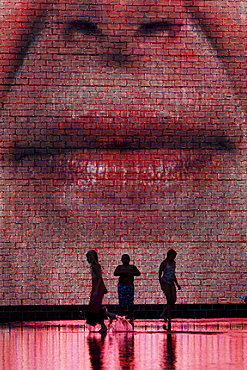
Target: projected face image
(123,129)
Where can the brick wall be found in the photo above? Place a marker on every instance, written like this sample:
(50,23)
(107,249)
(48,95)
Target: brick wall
(123,130)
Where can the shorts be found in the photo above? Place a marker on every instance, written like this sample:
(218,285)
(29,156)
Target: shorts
(95,313)
(126,295)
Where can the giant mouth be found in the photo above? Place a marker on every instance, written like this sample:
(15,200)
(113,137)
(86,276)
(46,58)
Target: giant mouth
(94,166)
(104,160)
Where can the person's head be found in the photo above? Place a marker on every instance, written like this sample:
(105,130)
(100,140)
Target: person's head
(122,126)
(92,257)
(125,259)
(171,255)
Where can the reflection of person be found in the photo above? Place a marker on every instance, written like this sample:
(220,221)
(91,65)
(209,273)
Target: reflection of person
(167,279)
(126,273)
(171,357)
(122,124)
(96,346)
(127,351)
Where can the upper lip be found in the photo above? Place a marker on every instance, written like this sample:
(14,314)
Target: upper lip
(96,134)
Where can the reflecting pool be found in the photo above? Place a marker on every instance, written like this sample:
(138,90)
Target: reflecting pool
(70,345)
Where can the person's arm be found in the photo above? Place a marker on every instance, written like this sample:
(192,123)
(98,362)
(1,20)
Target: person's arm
(97,271)
(118,271)
(176,282)
(123,270)
(136,272)
(131,270)
(161,269)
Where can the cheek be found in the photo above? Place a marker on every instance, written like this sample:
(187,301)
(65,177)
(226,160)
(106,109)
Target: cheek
(17,19)
(225,24)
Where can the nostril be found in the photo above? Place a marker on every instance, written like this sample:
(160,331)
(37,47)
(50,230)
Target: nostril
(119,57)
(117,52)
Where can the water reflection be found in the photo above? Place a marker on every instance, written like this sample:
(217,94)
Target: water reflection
(126,345)
(70,346)
(96,350)
(170,358)
(113,351)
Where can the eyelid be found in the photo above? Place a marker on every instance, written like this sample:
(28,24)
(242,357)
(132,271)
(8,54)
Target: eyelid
(159,26)
(150,28)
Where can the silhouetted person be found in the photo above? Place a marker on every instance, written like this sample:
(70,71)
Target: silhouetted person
(126,273)
(96,314)
(167,279)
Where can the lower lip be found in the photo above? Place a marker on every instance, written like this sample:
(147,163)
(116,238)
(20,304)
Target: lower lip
(108,177)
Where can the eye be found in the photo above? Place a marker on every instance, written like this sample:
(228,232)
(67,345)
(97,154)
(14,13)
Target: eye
(159,26)
(155,27)
(85,27)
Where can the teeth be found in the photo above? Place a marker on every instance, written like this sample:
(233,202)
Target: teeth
(118,169)
(146,173)
(94,172)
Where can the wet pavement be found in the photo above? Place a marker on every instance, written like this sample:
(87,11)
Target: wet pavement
(218,344)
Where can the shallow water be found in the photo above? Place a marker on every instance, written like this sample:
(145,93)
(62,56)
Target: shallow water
(190,345)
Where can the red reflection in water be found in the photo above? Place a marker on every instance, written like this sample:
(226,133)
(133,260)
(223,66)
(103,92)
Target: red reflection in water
(192,345)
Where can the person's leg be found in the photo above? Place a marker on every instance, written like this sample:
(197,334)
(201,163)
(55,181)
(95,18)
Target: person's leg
(121,298)
(169,293)
(130,301)
(163,314)
(165,289)
(131,312)
(103,327)
(121,311)
(111,315)
(173,295)
(171,300)
(95,312)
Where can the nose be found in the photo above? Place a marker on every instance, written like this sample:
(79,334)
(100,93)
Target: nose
(116,50)
(126,30)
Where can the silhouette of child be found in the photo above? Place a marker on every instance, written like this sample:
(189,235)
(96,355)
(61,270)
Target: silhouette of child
(126,273)
(97,314)
(167,279)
